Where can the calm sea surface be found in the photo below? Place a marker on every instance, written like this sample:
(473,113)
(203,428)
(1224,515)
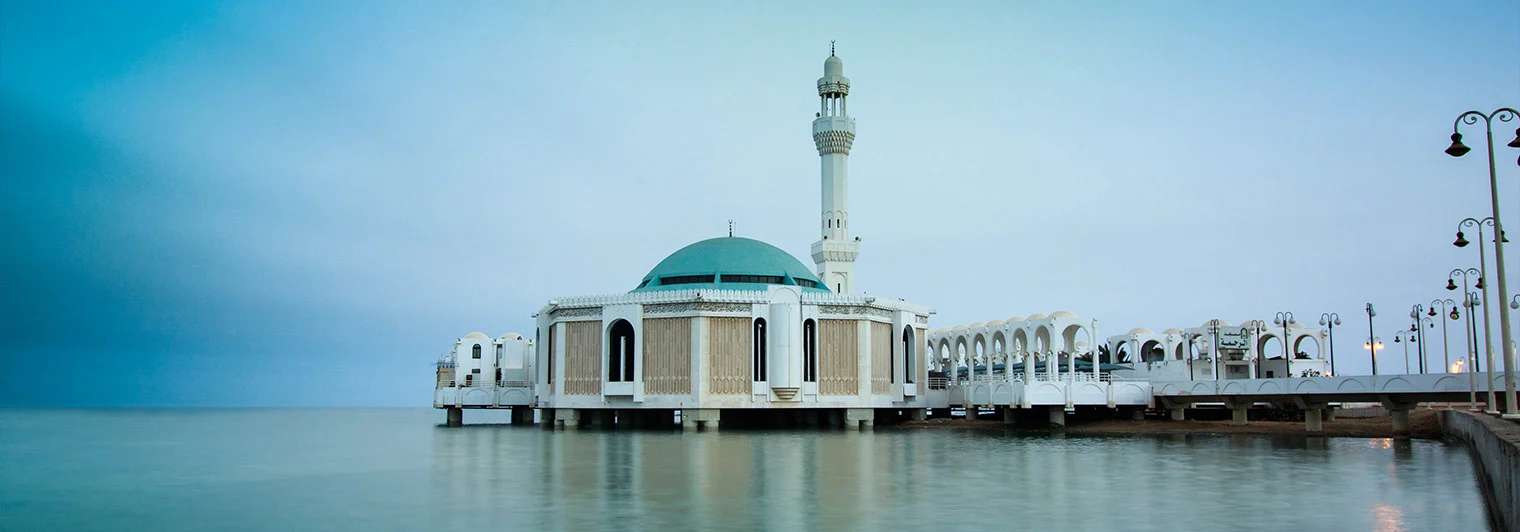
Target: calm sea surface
(397,469)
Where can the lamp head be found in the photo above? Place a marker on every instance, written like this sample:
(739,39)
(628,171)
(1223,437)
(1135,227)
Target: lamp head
(1515,143)
(1454,314)
(1451,284)
(1432,312)
(1461,241)
(1479,284)
(1457,149)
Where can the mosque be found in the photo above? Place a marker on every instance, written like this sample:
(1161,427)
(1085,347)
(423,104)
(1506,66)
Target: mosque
(728,326)
(736,329)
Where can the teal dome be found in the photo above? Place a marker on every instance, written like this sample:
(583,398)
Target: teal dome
(732,263)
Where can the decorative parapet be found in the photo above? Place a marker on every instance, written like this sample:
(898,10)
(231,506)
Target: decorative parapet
(716,300)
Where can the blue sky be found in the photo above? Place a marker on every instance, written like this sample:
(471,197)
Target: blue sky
(257,203)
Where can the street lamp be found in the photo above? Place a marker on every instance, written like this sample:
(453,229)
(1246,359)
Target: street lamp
(1470,300)
(1488,334)
(1448,307)
(1406,338)
(1457,149)
(1373,344)
(1331,319)
(1214,346)
(1416,313)
(1285,319)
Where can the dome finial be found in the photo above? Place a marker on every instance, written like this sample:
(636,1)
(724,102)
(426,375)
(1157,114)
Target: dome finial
(831,48)
(730,227)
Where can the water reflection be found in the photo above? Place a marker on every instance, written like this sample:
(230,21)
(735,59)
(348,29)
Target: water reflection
(397,471)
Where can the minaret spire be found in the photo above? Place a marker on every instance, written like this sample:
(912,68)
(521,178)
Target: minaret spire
(834,135)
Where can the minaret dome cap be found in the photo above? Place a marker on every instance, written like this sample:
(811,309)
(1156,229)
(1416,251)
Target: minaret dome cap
(833,67)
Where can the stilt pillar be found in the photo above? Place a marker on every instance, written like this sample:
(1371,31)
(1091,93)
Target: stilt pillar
(455,416)
(1178,413)
(859,418)
(1009,418)
(1058,416)
(522,415)
(1314,419)
(701,419)
(1138,414)
(1238,412)
(568,418)
(1400,421)
(1400,413)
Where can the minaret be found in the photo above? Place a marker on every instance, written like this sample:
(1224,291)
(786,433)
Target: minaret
(834,133)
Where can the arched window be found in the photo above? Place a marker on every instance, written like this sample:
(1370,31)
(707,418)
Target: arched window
(475,352)
(908,354)
(809,351)
(760,340)
(620,352)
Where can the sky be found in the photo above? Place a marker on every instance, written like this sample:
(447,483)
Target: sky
(306,203)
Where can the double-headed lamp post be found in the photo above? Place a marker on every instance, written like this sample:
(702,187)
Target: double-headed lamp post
(1448,307)
(1331,319)
(1457,149)
(1406,338)
(1285,319)
(1475,301)
(1373,345)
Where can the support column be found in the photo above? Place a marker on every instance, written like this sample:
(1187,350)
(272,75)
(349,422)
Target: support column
(1314,419)
(1400,413)
(859,418)
(546,418)
(1400,421)
(454,416)
(1058,415)
(1329,413)
(970,411)
(1008,416)
(1138,414)
(918,414)
(522,415)
(1179,413)
(1238,412)
(701,419)
(568,418)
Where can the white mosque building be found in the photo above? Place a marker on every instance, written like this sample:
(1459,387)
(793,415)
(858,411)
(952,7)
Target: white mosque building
(726,326)
(736,328)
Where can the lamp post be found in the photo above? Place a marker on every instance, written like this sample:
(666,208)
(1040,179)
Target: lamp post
(1255,364)
(1372,344)
(1488,336)
(1416,313)
(1331,319)
(1448,307)
(1457,149)
(1469,301)
(1285,319)
(1406,338)
(1214,346)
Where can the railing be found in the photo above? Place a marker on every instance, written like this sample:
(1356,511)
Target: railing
(938,383)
